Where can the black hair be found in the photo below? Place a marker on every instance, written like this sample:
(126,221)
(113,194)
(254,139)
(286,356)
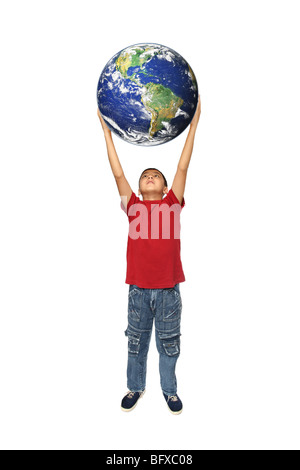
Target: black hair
(165,181)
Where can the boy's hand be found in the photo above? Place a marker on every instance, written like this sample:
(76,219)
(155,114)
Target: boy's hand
(196,117)
(105,128)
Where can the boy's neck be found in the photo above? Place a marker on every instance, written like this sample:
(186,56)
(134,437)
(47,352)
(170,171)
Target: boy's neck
(151,198)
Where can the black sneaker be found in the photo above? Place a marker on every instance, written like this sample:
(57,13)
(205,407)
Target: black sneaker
(174,403)
(130,400)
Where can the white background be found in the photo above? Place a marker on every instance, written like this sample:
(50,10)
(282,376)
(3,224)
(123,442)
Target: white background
(63,234)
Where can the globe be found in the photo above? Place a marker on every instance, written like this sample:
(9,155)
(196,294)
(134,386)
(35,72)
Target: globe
(147,94)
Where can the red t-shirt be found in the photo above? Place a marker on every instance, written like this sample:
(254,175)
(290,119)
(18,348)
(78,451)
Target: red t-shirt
(153,248)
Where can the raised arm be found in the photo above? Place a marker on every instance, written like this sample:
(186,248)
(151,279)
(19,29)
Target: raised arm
(124,188)
(178,185)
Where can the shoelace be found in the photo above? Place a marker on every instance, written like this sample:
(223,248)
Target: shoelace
(173,398)
(130,394)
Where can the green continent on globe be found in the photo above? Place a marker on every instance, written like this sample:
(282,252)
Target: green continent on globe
(162,103)
(127,60)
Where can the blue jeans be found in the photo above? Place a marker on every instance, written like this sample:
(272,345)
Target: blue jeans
(164,306)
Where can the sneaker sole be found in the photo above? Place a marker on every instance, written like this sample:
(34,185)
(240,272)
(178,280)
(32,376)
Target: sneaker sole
(174,412)
(132,408)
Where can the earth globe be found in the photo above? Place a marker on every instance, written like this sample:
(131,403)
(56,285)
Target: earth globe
(147,94)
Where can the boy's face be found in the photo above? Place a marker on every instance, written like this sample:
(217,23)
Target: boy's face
(152,183)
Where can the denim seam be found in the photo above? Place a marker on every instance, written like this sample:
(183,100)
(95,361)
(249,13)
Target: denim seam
(138,330)
(168,331)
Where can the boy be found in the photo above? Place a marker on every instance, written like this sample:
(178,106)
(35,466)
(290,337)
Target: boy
(154,269)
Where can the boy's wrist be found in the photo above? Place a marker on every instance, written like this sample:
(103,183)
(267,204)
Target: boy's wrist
(192,131)
(107,133)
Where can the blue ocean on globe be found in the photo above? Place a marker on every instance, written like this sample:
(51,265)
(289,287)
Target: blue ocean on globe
(147,94)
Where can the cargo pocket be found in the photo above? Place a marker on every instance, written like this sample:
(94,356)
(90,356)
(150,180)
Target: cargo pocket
(171,305)
(134,340)
(171,345)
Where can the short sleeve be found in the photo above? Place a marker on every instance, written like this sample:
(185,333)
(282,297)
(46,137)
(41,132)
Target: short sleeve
(172,199)
(133,200)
